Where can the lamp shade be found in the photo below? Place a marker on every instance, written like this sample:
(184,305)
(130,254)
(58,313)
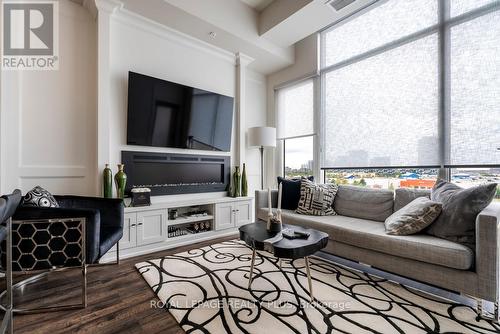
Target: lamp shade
(262,136)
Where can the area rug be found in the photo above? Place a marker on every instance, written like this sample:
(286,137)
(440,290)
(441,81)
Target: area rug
(206,290)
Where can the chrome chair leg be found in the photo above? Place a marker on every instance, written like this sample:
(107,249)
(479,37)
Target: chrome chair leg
(20,285)
(118,252)
(9,276)
(7,325)
(8,293)
(116,262)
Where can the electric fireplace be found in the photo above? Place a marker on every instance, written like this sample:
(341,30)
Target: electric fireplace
(170,173)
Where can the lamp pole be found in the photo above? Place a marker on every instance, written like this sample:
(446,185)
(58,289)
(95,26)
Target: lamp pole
(261,149)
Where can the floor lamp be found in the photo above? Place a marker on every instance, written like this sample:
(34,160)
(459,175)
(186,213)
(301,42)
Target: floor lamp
(262,136)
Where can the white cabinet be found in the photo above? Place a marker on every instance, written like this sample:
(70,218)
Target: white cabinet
(144,228)
(129,227)
(151,227)
(224,213)
(243,213)
(233,214)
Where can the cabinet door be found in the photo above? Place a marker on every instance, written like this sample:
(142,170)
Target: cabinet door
(224,216)
(129,231)
(243,213)
(151,227)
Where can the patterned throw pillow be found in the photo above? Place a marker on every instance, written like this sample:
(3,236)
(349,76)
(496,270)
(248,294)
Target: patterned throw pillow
(413,217)
(39,197)
(316,199)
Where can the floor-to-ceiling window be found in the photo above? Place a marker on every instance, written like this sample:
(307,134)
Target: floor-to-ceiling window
(409,88)
(295,126)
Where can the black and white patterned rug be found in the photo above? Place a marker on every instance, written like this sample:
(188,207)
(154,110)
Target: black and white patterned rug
(206,290)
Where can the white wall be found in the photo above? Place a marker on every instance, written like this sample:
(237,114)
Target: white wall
(48,118)
(306,64)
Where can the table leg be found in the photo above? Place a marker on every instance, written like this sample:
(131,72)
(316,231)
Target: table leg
(308,272)
(279,264)
(251,269)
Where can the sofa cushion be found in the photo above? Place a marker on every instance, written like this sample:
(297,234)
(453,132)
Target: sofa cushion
(366,203)
(403,196)
(369,234)
(457,221)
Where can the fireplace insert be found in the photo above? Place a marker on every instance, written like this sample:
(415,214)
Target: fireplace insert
(171,173)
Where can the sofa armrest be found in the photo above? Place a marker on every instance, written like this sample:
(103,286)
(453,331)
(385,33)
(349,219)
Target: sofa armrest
(111,209)
(487,229)
(261,200)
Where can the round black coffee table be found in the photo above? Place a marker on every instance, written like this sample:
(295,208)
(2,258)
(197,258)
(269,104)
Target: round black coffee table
(255,234)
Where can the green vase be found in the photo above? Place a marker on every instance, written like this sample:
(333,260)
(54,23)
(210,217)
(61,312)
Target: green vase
(120,181)
(107,182)
(244,182)
(236,182)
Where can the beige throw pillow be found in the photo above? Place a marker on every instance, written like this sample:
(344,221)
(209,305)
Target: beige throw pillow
(413,218)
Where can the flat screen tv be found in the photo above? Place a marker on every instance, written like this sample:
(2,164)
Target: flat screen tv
(167,114)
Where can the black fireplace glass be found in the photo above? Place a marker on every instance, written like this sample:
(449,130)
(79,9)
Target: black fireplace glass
(170,173)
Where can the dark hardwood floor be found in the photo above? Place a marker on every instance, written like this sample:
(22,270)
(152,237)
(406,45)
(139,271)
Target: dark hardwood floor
(119,301)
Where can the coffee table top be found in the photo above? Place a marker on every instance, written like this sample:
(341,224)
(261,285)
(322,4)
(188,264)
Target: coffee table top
(254,235)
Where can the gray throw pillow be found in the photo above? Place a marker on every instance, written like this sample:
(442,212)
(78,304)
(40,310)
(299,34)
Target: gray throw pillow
(413,218)
(316,199)
(457,221)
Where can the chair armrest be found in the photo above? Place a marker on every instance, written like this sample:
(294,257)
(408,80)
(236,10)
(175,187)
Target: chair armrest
(487,228)
(111,209)
(92,225)
(261,200)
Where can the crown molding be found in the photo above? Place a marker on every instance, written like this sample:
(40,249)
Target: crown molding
(108,6)
(243,59)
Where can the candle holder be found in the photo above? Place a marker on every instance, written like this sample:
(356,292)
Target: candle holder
(274,222)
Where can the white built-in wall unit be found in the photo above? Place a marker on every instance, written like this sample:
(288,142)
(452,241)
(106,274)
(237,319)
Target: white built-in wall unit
(152,228)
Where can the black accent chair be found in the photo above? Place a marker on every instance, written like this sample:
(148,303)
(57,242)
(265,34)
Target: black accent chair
(8,205)
(104,221)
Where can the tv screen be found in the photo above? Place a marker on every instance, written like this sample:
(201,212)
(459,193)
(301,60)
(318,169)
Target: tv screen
(167,114)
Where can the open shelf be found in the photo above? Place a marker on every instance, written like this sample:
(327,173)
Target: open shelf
(187,236)
(187,219)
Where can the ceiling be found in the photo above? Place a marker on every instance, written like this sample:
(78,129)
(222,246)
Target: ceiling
(258,5)
(265,30)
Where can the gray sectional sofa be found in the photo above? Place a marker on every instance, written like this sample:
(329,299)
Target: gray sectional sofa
(357,233)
